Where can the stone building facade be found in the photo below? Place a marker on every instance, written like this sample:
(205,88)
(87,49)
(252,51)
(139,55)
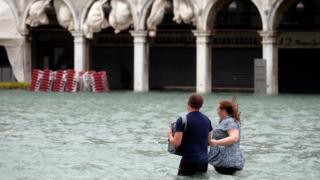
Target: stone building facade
(146,44)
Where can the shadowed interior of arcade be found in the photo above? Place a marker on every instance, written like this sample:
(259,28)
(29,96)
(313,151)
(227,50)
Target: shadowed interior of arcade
(52,45)
(235,45)
(6,74)
(113,53)
(299,60)
(172,55)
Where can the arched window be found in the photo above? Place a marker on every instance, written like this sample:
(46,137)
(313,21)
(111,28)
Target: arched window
(302,15)
(238,14)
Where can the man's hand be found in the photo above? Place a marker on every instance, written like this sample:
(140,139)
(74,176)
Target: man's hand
(176,138)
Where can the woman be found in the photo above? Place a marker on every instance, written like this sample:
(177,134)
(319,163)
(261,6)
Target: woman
(225,153)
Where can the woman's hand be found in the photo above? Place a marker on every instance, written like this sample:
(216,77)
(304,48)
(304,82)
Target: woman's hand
(213,142)
(231,139)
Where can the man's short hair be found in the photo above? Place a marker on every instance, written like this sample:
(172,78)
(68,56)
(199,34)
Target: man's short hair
(195,101)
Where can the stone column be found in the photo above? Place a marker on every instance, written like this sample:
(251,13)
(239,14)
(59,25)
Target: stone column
(270,54)
(141,61)
(27,58)
(81,59)
(204,61)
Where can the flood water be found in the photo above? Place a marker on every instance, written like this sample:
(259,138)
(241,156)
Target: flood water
(122,135)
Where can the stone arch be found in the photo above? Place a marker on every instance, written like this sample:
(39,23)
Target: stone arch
(13,10)
(142,19)
(13,45)
(277,11)
(88,5)
(84,12)
(71,7)
(213,7)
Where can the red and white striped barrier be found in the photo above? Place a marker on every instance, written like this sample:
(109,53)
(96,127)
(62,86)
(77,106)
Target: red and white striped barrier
(69,81)
(45,82)
(60,80)
(71,84)
(36,80)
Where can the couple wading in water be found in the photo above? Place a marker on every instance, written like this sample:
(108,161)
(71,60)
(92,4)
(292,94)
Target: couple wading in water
(191,135)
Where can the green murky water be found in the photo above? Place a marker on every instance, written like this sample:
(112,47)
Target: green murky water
(122,135)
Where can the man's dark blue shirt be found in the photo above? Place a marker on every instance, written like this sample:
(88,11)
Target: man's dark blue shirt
(195,138)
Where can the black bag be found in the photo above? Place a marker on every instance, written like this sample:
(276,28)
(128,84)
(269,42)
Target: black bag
(172,148)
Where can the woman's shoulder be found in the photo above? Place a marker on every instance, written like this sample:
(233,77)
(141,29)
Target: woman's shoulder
(228,120)
(229,123)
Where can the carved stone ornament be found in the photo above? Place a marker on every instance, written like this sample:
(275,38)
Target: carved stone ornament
(156,16)
(120,17)
(37,15)
(184,11)
(64,15)
(96,20)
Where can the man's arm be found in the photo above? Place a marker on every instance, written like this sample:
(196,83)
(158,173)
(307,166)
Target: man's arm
(176,138)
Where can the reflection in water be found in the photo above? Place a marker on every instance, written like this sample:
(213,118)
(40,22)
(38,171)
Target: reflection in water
(122,135)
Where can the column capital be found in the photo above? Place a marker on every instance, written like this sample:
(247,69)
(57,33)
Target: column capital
(202,36)
(139,33)
(264,33)
(269,37)
(198,33)
(139,36)
(78,36)
(77,33)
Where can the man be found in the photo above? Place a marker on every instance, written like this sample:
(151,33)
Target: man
(194,138)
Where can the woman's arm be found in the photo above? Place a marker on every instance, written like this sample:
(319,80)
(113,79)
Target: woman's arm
(231,139)
(176,138)
(210,137)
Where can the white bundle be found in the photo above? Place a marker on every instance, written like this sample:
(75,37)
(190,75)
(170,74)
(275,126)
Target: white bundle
(120,17)
(156,16)
(37,15)
(96,20)
(64,15)
(183,11)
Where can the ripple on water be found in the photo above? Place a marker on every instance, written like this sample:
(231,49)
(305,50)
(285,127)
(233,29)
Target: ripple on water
(122,135)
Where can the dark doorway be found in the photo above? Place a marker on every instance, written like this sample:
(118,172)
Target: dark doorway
(52,45)
(113,53)
(173,56)
(6,74)
(173,68)
(4,60)
(299,71)
(236,44)
(52,50)
(234,68)
(299,66)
